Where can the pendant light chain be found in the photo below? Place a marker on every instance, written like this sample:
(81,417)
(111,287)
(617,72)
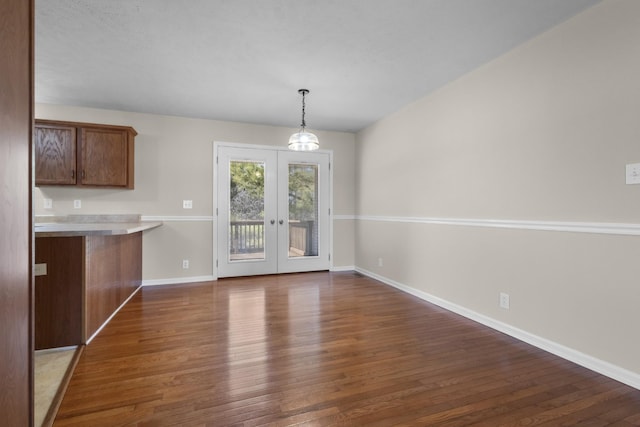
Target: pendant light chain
(303,124)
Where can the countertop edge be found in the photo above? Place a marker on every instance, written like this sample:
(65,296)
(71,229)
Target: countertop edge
(93,229)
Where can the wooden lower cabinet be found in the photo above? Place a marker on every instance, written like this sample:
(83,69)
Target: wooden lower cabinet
(58,294)
(88,278)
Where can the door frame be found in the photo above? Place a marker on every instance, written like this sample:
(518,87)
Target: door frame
(216,148)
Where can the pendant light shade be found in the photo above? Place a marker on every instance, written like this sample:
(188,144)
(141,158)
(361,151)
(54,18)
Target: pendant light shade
(303,140)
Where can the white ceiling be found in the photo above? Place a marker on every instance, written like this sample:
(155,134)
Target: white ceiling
(244,60)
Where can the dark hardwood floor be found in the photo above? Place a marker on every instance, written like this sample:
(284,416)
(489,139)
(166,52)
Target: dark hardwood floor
(323,349)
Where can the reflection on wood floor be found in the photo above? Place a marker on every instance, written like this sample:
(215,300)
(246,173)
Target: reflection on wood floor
(322,349)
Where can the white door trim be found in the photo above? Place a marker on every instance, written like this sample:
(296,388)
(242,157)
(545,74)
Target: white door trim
(216,146)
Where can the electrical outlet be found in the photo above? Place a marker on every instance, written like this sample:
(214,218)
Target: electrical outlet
(185,264)
(187,204)
(504,300)
(77,204)
(47,204)
(40,269)
(379,262)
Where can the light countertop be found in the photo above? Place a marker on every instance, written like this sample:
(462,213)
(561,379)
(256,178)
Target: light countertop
(84,225)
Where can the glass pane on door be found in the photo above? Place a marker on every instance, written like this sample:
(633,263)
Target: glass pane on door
(303,210)
(246,211)
(272,211)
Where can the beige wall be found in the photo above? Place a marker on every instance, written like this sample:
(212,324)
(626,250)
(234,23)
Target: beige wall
(542,133)
(174,161)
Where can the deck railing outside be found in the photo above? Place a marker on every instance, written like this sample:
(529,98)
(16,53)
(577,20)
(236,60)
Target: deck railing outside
(247,237)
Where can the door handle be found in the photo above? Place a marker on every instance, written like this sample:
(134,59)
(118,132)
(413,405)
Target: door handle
(273,221)
(281,222)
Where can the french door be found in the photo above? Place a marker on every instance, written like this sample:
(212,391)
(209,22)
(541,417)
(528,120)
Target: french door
(273,211)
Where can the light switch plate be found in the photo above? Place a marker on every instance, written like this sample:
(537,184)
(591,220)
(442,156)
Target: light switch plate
(47,204)
(187,204)
(633,173)
(77,204)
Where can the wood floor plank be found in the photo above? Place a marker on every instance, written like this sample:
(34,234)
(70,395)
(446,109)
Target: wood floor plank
(320,349)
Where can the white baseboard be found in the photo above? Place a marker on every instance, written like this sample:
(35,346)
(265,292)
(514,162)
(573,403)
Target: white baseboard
(178,280)
(600,366)
(343,268)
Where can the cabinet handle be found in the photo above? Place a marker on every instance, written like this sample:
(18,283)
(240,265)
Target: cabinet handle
(73,174)
(84,175)
(281,222)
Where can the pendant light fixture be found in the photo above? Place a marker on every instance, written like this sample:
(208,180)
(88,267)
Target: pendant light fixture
(303,140)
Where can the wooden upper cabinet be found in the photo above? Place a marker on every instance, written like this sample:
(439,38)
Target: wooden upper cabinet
(104,157)
(84,154)
(55,154)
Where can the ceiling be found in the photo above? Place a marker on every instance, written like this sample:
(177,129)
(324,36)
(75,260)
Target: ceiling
(244,60)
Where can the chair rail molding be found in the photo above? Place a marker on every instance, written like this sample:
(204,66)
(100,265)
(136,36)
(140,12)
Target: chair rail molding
(177,218)
(574,227)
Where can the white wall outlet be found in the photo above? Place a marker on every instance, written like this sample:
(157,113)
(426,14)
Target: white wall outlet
(185,264)
(504,300)
(47,204)
(40,269)
(633,173)
(187,204)
(77,204)
(379,262)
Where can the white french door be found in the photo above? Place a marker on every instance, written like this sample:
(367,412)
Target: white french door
(273,211)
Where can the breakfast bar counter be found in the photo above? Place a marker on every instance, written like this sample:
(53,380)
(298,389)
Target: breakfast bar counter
(87,267)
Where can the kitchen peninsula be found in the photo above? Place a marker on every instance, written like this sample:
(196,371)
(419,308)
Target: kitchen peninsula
(87,267)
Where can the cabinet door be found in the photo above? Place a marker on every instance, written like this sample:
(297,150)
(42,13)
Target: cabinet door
(55,154)
(59,293)
(104,157)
